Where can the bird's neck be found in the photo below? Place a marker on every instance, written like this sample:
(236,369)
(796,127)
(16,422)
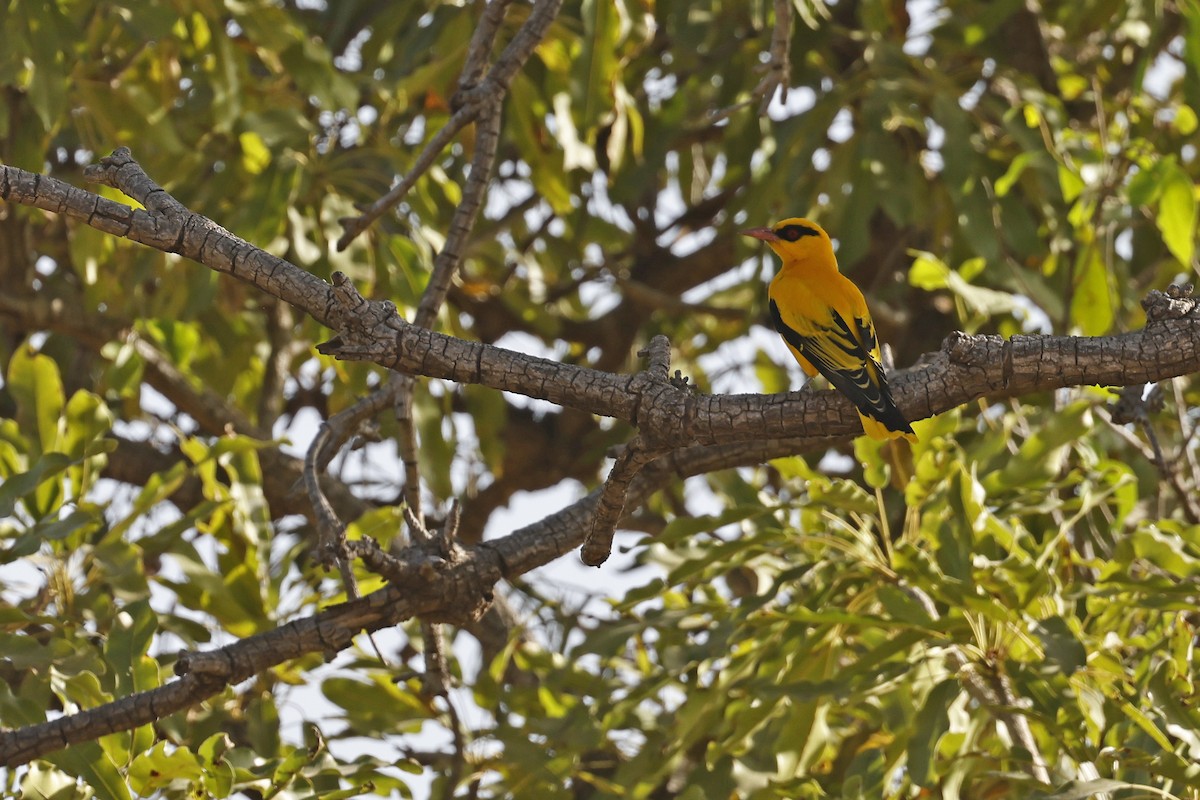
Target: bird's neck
(809,266)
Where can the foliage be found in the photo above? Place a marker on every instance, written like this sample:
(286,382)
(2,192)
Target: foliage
(816,631)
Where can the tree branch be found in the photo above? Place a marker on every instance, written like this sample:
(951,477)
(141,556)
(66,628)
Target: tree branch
(473,101)
(707,432)
(968,367)
(775,71)
(434,588)
(610,506)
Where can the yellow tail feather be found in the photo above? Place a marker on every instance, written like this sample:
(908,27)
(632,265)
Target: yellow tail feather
(877,430)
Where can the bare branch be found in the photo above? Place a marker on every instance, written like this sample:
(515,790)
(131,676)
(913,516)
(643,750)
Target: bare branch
(420,534)
(481,43)
(355,225)
(474,101)
(775,71)
(486,141)
(610,506)
(968,367)
(331,533)
(122,173)
(172,229)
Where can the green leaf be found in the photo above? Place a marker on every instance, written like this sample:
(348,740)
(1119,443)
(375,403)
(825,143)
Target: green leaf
(1142,721)
(1005,182)
(180,341)
(255,155)
(1086,790)
(1146,184)
(1070,182)
(26,483)
(931,723)
(88,419)
(54,530)
(980,300)
(35,384)
(128,641)
(377,706)
(1062,646)
(89,762)
(1176,218)
(1185,122)
(162,765)
(928,272)
(43,781)
(1165,550)
(1093,303)
(598,60)
(48,83)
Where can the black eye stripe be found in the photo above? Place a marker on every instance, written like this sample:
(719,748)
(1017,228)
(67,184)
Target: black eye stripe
(793,233)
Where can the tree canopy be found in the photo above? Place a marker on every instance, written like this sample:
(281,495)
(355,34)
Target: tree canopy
(296,298)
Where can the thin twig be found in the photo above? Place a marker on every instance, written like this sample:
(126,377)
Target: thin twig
(331,534)
(1187,430)
(473,103)
(283,348)
(1132,407)
(353,226)
(416,526)
(991,688)
(524,43)
(401,387)
(487,139)
(481,43)
(776,71)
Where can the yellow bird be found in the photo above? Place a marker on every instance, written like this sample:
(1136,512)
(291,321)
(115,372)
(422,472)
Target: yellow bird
(824,320)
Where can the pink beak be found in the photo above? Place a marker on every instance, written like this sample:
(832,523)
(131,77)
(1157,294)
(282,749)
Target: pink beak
(766,234)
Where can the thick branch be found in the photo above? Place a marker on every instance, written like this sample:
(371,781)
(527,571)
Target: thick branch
(171,229)
(968,367)
(431,587)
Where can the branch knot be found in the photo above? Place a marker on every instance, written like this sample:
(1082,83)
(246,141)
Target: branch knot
(1175,303)
(360,321)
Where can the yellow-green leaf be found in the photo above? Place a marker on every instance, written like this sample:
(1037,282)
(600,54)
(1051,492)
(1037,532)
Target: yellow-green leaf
(35,384)
(1176,218)
(1092,304)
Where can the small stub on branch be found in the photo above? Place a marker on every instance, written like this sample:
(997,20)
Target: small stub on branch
(658,353)
(611,504)
(1175,303)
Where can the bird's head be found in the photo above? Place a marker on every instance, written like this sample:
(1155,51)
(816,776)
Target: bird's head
(794,239)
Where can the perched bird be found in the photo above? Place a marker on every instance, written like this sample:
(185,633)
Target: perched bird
(824,320)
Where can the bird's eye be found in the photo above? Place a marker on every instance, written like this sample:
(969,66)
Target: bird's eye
(793,233)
